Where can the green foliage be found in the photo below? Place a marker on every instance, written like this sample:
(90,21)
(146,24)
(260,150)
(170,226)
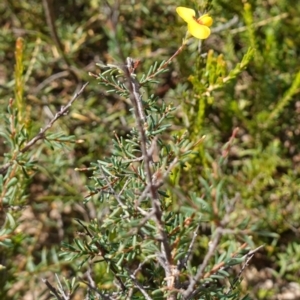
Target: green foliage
(160,178)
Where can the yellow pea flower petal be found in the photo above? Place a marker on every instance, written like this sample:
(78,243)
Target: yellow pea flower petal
(206,20)
(187,14)
(196,27)
(199,31)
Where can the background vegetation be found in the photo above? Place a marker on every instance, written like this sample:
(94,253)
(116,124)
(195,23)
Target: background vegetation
(224,115)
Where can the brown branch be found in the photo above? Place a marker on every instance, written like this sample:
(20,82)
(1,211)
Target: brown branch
(183,262)
(140,287)
(230,142)
(52,289)
(188,293)
(63,111)
(163,66)
(41,135)
(247,257)
(220,265)
(50,20)
(136,100)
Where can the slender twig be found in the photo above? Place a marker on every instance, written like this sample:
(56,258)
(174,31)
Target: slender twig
(134,90)
(61,289)
(212,247)
(89,277)
(41,135)
(50,20)
(142,264)
(63,111)
(260,23)
(52,289)
(230,142)
(48,80)
(112,189)
(140,287)
(182,263)
(142,223)
(163,66)
(222,265)
(5,167)
(92,287)
(218,233)
(227,25)
(159,178)
(136,99)
(248,257)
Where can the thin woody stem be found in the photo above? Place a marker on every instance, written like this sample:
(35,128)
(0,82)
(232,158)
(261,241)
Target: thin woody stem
(163,66)
(136,99)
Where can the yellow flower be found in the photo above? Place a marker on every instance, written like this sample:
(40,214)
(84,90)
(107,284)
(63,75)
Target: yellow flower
(199,28)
